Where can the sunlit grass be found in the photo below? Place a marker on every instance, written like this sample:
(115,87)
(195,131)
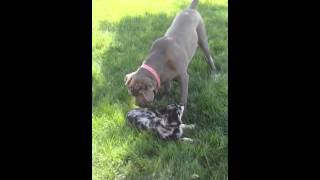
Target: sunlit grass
(122,33)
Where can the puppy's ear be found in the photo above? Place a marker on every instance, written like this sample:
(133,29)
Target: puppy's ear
(128,78)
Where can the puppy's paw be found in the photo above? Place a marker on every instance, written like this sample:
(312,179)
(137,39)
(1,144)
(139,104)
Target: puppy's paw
(188,126)
(185,139)
(192,126)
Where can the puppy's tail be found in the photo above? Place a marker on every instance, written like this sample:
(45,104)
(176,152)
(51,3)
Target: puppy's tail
(194,4)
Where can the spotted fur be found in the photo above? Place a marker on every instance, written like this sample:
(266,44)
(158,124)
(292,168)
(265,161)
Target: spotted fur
(165,123)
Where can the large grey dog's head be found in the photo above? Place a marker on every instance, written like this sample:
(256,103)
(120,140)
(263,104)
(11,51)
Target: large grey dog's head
(141,87)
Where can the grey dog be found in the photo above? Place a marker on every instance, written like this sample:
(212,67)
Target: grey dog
(169,58)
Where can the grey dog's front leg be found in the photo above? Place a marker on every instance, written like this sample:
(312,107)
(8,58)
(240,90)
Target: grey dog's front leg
(184,81)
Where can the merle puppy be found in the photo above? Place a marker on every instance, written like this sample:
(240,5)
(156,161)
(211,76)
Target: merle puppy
(165,123)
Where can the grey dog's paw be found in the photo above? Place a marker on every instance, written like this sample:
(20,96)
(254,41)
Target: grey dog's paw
(216,76)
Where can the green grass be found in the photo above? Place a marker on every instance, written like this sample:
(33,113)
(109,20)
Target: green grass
(123,31)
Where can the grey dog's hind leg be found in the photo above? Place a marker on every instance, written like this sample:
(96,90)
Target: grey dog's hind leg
(203,44)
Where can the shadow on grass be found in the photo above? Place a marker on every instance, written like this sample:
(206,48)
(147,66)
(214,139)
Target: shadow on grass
(207,101)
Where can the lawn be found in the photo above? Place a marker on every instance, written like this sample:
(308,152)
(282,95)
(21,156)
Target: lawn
(122,33)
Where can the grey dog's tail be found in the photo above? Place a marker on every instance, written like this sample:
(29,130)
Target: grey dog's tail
(194,4)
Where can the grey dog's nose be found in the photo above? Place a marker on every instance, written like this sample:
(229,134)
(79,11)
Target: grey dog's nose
(140,104)
(143,104)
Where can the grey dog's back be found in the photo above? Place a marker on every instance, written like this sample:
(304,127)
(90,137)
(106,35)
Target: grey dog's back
(185,21)
(183,30)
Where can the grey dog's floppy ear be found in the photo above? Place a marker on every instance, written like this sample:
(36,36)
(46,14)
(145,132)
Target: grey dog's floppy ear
(148,95)
(128,78)
(148,90)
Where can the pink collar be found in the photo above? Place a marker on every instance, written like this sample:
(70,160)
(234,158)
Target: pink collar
(153,72)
